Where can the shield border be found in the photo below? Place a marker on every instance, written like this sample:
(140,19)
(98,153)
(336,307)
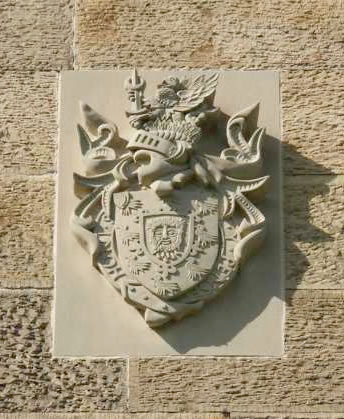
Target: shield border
(191,234)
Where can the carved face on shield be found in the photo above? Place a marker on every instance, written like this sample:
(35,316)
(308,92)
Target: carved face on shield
(166,235)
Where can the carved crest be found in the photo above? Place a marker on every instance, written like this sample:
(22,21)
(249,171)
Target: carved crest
(168,246)
(167,225)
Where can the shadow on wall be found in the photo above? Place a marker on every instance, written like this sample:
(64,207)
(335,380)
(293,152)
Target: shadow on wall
(262,278)
(298,224)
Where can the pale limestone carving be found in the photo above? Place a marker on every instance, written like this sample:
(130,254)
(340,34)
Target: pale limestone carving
(166,224)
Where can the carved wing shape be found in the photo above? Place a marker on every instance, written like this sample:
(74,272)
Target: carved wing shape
(129,237)
(205,207)
(125,202)
(195,273)
(121,200)
(205,238)
(196,91)
(136,267)
(166,288)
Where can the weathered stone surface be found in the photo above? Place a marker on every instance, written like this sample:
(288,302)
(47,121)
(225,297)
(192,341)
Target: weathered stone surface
(32,381)
(223,415)
(314,232)
(312,111)
(28,122)
(314,328)
(36,34)
(310,378)
(130,416)
(26,237)
(231,34)
(121,416)
(155,416)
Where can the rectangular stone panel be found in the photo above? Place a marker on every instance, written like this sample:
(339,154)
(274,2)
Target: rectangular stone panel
(28,122)
(314,220)
(26,237)
(209,34)
(309,378)
(92,318)
(313,330)
(312,103)
(32,381)
(36,34)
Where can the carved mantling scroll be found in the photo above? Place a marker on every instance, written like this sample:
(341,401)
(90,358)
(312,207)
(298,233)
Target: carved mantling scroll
(167,225)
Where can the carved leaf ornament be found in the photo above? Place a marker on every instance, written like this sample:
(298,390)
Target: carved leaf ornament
(166,225)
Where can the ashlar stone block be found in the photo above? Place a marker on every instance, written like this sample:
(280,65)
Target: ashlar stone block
(26,237)
(314,231)
(312,106)
(33,381)
(211,34)
(28,122)
(36,35)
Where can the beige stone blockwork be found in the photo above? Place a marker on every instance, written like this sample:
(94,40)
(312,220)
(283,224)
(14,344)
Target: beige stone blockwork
(26,236)
(314,328)
(310,378)
(36,34)
(114,416)
(224,415)
(313,116)
(231,34)
(28,122)
(314,232)
(126,416)
(31,381)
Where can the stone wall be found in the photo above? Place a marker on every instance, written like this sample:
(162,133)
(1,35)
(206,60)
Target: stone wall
(302,39)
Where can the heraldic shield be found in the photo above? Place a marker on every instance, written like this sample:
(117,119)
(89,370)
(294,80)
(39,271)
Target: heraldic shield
(167,224)
(167,245)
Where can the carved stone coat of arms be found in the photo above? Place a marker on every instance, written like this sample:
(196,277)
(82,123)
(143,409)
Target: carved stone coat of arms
(167,224)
